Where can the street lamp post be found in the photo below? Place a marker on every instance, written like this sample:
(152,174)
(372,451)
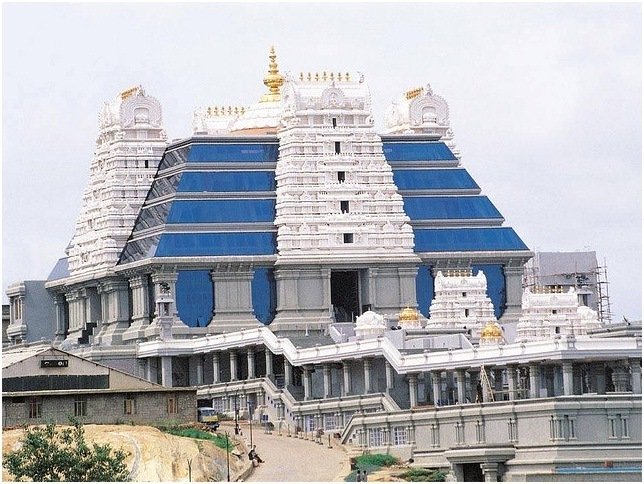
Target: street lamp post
(250,422)
(227,457)
(236,415)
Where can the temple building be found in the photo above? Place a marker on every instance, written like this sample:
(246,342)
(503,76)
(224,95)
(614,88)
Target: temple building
(291,261)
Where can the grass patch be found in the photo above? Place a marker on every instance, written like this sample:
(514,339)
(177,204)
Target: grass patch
(422,475)
(218,439)
(370,463)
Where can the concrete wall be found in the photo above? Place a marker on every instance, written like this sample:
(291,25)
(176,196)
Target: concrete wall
(40,313)
(539,448)
(102,408)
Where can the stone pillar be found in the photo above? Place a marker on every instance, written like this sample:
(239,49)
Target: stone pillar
(460,386)
(199,363)
(326,369)
(61,323)
(233,365)
(636,376)
(250,357)
(436,387)
(151,370)
(490,471)
(166,371)
(306,380)
(535,381)
(512,382)
(620,378)
(117,298)
(413,390)
(513,291)
(216,368)
(498,384)
(233,299)
(288,373)
(268,356)
(474,378)
(367,375)
(346,373)
(389,374)
(599,373)
(140,308)
(568,382)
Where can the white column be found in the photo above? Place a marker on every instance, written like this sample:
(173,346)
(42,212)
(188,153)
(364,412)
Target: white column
(389,374)
(166,371)
(288,373)
(460,386)
(636,375)
(566,368)
(326,370)
(535,381)
(269,362)
(250,357)
(199,363)
(367,375)
(233,365)
(346,374)
(436,386)
(512,382)
(216,376)
(413,390)
(306,377)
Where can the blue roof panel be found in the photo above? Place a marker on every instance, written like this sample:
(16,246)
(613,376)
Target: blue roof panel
(467,239)
(227,181)
(434,179)
(216,244)
(417,151)
(60,270)
(439,208)
(233,152)
(221,211)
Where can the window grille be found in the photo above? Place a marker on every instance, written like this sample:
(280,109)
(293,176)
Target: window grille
(401,436)
(172,405)
(35,408)
(80,407)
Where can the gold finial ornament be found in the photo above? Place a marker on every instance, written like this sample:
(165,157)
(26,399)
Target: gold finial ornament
(273,80)
(492,333)
(408,314)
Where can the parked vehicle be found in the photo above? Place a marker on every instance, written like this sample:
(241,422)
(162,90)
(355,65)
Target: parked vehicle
(208,416)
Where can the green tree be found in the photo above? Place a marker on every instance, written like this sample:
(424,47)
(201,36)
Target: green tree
(48,455)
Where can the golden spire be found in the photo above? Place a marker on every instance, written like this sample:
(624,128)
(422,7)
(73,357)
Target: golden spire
(273,80)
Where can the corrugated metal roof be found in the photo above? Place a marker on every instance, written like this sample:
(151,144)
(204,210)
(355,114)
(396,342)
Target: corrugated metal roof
(13,356)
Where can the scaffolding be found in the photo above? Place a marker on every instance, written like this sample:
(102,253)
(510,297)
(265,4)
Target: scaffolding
(593,279)
(603,301)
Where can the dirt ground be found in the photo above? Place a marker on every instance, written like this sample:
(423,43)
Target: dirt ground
(155,456)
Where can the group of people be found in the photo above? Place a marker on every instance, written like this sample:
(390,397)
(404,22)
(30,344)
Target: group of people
(361,476)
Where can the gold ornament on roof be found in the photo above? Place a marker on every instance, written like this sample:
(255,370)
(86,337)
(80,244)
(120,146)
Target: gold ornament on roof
(412,93)
(492,332)
(128,92)
(408,314)
(273,80)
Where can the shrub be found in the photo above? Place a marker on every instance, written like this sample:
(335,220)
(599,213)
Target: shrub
(218,439)
(422,475)
(46,454)
(376,460)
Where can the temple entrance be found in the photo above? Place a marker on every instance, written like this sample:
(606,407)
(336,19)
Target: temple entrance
(472,472)
(345,295)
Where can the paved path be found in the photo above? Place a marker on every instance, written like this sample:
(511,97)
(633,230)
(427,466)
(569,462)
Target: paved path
(289,459)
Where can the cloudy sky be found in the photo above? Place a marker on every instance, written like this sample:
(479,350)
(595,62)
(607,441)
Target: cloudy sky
(545,103)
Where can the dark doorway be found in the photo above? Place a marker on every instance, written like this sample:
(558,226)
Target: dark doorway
(345,295)
(473,473)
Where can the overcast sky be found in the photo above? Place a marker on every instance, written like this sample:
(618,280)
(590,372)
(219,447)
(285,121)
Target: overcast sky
(545,103)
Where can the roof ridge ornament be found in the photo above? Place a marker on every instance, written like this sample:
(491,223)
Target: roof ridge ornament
(273,80)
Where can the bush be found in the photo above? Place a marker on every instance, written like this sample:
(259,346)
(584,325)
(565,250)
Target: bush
(218,439)
(376,460)
(46,454)
(422,475)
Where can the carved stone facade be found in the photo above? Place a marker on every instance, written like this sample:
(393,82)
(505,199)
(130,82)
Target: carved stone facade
(461,301)
(335,192)
(421,111)
(130,144)
(548,313)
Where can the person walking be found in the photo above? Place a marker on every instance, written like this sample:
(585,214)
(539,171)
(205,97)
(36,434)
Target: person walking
(358,476)
(364,476)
